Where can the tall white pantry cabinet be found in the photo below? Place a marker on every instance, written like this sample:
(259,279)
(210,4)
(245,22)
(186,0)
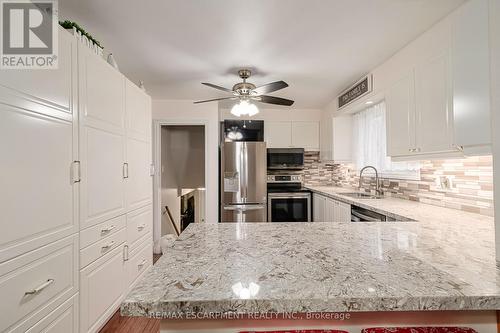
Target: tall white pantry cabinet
(76,192)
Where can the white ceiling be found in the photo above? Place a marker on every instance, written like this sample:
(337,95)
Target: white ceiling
(317,46)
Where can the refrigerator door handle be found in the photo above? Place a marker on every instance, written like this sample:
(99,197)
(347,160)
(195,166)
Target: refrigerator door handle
(244,208)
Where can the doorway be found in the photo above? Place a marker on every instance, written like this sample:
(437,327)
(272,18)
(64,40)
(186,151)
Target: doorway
(180,157)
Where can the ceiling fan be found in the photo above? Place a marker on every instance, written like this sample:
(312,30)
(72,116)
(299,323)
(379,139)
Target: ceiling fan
(246,91)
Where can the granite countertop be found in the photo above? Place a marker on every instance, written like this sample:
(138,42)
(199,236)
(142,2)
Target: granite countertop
(400,209)
(227,268)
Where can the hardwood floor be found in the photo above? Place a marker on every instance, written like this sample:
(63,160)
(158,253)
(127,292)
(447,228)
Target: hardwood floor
(119,324)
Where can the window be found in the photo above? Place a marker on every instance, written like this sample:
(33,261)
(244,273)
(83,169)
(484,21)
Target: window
(370,148)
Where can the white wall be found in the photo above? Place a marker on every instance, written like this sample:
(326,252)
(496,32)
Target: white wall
(185,112)
(278,114)
(495,110)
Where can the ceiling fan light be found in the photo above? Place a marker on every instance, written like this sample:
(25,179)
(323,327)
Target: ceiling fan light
(252,110)
(244,108)
(236,110)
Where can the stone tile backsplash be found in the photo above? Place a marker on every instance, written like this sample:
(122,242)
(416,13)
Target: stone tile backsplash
(471,182)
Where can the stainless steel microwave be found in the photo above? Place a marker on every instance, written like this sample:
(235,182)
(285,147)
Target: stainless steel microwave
(285,158)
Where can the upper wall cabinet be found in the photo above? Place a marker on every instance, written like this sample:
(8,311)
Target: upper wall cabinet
(292,134)
(305,134)
(278,134)
(471,81)
(439,105)
(336,138)
(434,116)
(401,118)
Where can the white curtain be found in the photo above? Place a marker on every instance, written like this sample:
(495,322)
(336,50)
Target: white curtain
(370,145)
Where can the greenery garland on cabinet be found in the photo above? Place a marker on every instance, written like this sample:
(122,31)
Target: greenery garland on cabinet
(70,25)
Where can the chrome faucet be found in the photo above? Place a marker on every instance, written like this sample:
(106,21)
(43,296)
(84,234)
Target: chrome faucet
(378,191)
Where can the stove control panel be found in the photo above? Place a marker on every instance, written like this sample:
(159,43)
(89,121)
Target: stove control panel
(284,178)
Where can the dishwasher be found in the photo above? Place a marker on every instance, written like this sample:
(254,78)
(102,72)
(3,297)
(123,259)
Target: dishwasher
(359,214)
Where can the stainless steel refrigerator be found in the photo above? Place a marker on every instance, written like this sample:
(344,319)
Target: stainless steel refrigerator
(243,182)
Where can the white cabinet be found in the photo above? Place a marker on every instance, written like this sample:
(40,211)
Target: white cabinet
(102,287)
(400,117)
(140,261)
(336,138)
(102,143)
(420,110)
(342,212)
(39,142)
(116,185)
(319,202)
(433,95)
(138,112)
(115,142)
(305,134)
(441,106)
(471,81)
(329,210)
(292,134)
(326,209)
(29,282)
(278,134)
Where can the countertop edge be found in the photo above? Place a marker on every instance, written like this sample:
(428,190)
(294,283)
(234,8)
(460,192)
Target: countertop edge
(185,309)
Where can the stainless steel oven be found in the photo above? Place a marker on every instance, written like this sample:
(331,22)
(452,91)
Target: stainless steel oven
(285,158)
(289,207)
(287,201)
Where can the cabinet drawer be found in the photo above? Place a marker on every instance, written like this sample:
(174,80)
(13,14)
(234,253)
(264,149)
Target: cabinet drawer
(102,289)
(61,320)
(30,281)
(138,224)
(101,231)
(100,248)
(140,261)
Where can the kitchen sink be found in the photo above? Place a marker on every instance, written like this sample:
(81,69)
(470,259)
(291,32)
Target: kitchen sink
(359,195)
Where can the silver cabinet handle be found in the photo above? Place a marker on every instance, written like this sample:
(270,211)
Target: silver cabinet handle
(125,253)
(76,172)
(458,147)
(125,170)
(39,288)
(108,229)
(141,227)
(143,262)
(107,246)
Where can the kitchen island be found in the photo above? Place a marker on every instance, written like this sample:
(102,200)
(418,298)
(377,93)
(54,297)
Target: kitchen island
(383,273)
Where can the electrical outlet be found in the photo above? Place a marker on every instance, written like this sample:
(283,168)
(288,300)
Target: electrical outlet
(444,182)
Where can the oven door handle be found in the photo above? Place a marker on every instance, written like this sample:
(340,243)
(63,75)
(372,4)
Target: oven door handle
(244,208)
(288,196)
(364,217)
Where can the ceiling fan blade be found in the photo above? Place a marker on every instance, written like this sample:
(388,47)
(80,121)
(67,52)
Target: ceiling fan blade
(215,99)
(274,100)
(270,87)
(218,87)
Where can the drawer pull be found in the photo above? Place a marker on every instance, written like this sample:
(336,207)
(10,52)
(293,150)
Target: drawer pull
(39,288)
(107,246)
(141,227)
(108,229)
(143,262)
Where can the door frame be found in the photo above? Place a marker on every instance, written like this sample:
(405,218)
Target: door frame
(157,211)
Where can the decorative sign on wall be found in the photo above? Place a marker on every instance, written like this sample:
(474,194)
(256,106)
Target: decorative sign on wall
(360,88)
